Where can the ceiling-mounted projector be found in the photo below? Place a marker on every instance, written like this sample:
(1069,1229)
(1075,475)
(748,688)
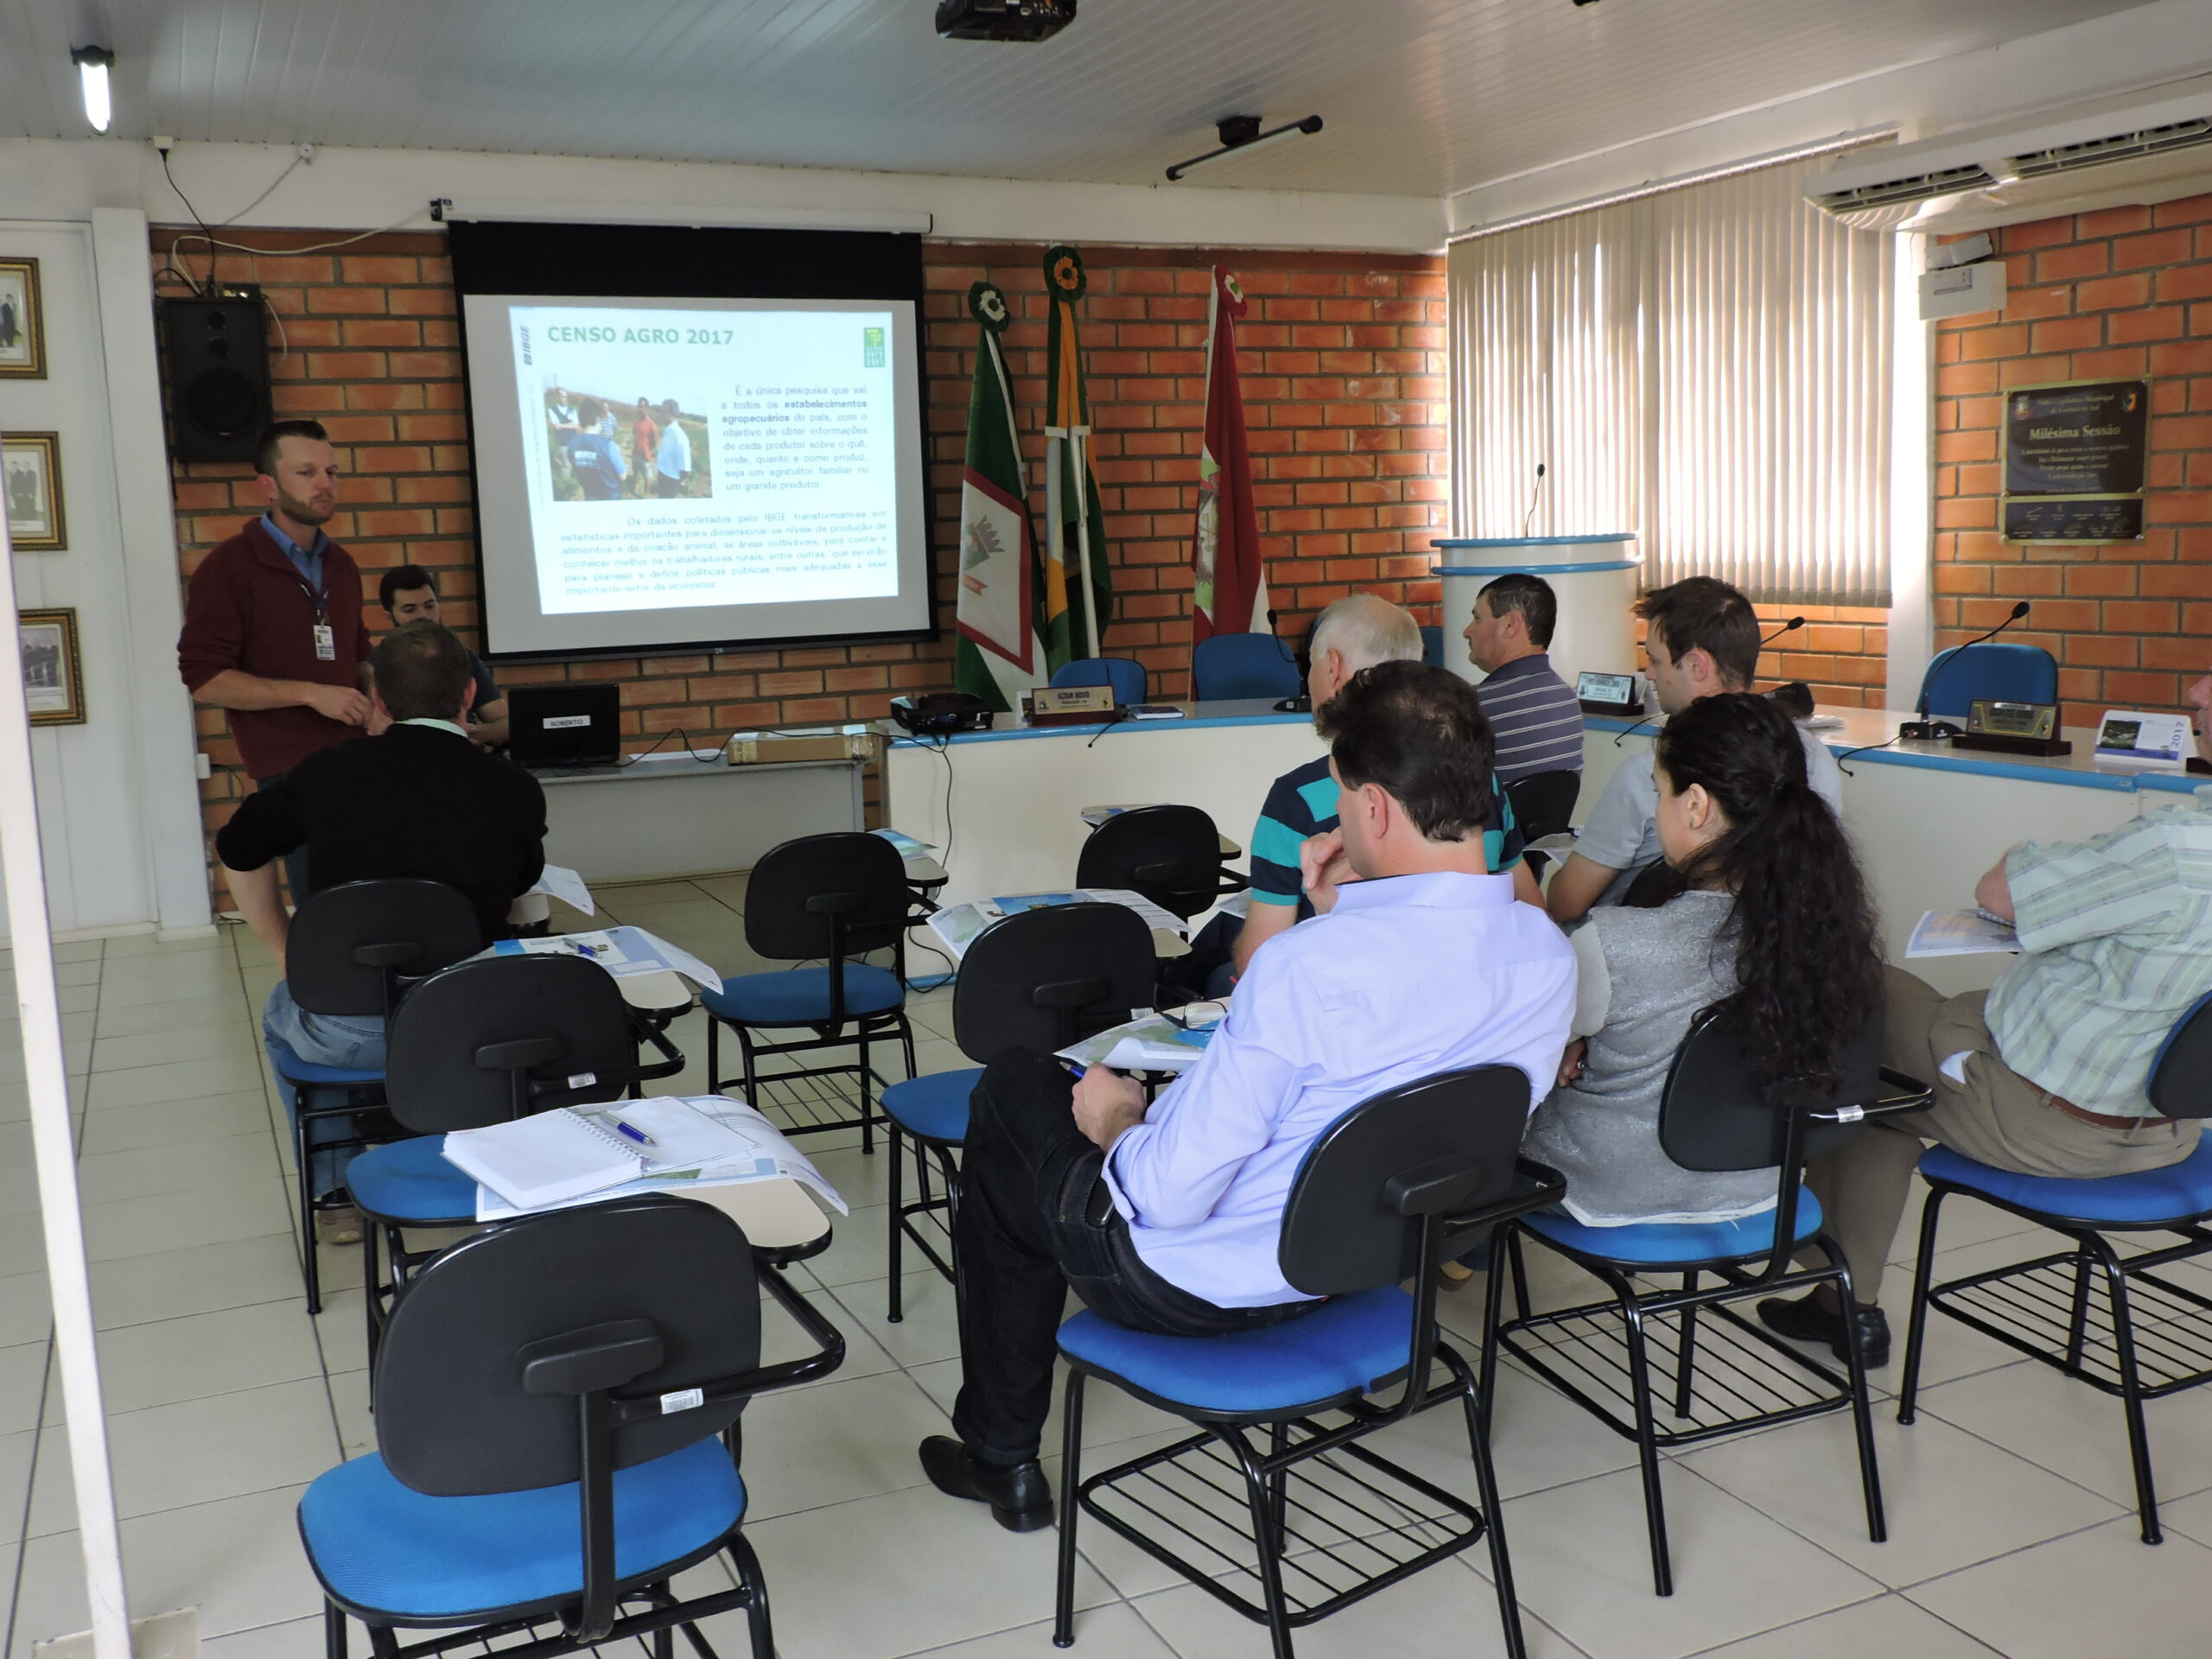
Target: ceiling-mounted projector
(1003,20)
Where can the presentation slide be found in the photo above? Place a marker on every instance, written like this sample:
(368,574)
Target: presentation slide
(657,471)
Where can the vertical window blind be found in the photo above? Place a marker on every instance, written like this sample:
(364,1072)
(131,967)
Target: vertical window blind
(1707,366)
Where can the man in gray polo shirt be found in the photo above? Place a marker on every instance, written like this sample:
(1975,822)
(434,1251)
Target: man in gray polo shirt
(1533,716)
(1701,637)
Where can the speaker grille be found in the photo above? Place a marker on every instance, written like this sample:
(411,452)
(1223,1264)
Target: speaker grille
(224,401)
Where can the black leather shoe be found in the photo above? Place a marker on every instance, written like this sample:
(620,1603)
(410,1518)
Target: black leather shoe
(1805,1320)
(1020,1497)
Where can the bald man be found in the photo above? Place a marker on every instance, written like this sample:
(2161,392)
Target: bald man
(1356,631)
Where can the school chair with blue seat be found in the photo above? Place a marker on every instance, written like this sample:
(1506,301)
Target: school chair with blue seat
(1124,674)
(1229,667)
(2149,1334)
(484,1042)
(1172,855)
(557,1407)
(1722,1375)
(1041,979)
(1318,1519)
(830,900)
(352,950)
(1999,671)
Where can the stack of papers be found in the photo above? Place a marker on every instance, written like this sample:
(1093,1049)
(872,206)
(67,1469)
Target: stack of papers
(553,1160)
(959,926)
(625,952)
(1153,1042)
(1960,933)
(1095,816)
(909,849)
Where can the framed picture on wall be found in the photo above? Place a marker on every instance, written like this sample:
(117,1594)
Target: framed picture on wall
(30,491)
(23,321)
(53,675)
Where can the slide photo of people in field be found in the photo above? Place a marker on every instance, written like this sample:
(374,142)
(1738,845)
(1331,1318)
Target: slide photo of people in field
(617,449)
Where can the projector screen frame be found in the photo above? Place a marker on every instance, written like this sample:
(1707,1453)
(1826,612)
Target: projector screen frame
(677,262)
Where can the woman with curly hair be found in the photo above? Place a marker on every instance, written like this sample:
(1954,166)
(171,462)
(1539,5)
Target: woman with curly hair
(1775,920)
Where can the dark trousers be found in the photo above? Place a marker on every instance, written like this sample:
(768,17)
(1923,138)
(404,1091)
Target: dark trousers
(1029,1190)
(295,861)
(667,488)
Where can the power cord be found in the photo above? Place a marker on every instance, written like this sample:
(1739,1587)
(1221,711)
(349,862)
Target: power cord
(1861,749)
(708,760)
(1626,730)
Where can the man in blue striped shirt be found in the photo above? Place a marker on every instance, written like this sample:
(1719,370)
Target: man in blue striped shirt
(1534,718)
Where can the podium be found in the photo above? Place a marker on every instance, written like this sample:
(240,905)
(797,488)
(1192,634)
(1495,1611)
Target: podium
(1595,577)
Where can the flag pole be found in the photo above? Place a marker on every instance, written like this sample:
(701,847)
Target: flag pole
(30,930)
(1076,435)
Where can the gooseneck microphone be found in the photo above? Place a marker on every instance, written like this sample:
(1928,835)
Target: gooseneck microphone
(1927,730)
(1534,490)
(1790,627)
(1299,702)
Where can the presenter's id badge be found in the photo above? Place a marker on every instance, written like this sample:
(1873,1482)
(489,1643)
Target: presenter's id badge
(326,642)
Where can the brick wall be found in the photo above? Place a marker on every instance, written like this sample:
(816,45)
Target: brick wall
(2116,294)
(1343,383)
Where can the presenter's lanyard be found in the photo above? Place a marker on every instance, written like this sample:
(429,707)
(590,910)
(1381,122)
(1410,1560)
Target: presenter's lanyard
(326,637)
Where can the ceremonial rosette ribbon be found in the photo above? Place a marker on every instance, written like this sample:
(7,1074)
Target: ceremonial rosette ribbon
(1064,273)
(988,306)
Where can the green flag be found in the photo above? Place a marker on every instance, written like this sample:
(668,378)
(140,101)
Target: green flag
(998,655)
(1075,541)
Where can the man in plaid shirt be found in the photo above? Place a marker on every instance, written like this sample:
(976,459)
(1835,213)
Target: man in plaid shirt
(2045,1073)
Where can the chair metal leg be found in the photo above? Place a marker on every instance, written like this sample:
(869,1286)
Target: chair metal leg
(1278,1490)
(1862,1407)
(1923,1273)
(751,1081)
(2077,1322)
(374,1332)
(334,1631)
(1520,1278)
(1502,1244)
(1071,1477)
(868,1092)
(2130,1384)
(755,1584)
(1686,1352)
(1259,1501)
(1474,1403)
(310,1265)
(1647,1444)
(896,1313)
(713,1056)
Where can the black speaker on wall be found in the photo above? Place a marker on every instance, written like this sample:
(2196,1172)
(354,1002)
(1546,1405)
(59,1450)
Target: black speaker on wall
(218,352)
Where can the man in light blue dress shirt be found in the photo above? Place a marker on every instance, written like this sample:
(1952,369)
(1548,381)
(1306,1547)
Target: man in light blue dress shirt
(1418,961)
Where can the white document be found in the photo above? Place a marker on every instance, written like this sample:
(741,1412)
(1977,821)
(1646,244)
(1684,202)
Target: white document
(625,952)
(746,1147)
(1560,842)
(959,925)
(1959,933)
(1153,1042)
(564,884)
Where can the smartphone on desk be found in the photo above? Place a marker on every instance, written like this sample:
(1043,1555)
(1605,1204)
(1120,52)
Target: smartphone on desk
(1154,711)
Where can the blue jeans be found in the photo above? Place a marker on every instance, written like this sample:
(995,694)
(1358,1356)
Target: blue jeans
(351,1041)
(295,861)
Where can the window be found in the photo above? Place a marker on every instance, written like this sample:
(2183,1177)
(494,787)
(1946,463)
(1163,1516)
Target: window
(1708,366)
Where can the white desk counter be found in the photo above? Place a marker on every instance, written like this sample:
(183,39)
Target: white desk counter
(1016,790)
(684,816)
(1928,821)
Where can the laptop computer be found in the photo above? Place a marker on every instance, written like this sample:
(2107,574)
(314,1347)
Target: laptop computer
(564,725)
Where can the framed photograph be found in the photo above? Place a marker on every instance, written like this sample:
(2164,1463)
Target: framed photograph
(30,491)
(53,674)
(23,321)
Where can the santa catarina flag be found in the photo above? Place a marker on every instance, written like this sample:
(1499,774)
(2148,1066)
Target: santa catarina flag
(1075,543)
(998,655)
(1231,586)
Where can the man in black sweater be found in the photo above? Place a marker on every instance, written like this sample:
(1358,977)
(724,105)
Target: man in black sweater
(420,799)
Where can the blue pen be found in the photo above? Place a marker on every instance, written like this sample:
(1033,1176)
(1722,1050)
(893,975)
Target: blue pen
(635,1134)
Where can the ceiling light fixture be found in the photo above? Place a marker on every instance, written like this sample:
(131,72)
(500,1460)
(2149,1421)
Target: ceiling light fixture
(1240,133)
(92,63)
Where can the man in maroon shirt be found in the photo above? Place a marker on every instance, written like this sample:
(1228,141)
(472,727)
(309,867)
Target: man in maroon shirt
(272,621)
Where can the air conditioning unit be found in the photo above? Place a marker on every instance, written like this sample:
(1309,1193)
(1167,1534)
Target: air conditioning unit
(2143,148)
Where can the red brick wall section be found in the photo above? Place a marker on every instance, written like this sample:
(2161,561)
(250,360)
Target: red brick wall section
(2116,294)
(1342,357)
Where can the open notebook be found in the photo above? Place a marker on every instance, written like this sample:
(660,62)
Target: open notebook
(550,1156)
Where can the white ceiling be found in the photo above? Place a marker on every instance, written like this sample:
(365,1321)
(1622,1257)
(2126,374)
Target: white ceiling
(1423,98)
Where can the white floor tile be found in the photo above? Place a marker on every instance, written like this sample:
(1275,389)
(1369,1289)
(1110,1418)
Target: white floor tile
(214,1040)
(150,1172)
(170,1123)
(299,1638)
(1113,1632)
(1951,1499)
(16,1451)
(1888,1625)
(26,1312)
(226,1010)
(231,1074)
(237,1560)
(1581,1563)
(803,1448)
(2078,1432)
(201,1353)
(1539,1438)
(22,1383)
(2100,1591)
(197,1279)
(927,1333)
(213,1213)
(938,1571)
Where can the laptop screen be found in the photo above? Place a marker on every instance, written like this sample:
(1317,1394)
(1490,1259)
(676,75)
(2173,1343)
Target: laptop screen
(565,725)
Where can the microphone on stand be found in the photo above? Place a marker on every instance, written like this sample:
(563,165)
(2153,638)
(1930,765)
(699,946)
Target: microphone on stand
(1534,490)
(1790,627)
(1794,696)
(1927,730)
(1300,701)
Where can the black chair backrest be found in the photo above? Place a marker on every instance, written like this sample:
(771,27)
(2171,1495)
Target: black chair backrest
(1714,1115)
(2181,1076)
(1543,802)
(453,1416)
(847,886)
(1342,1228)
(1045,978)
(350,945)
(463,1036)
(1172,855)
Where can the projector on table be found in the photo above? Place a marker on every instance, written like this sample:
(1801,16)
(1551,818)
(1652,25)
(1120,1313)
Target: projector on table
(1003,20)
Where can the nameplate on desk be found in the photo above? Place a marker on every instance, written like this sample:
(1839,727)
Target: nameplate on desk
(1997,726)
(1070,705)
(1607,693)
